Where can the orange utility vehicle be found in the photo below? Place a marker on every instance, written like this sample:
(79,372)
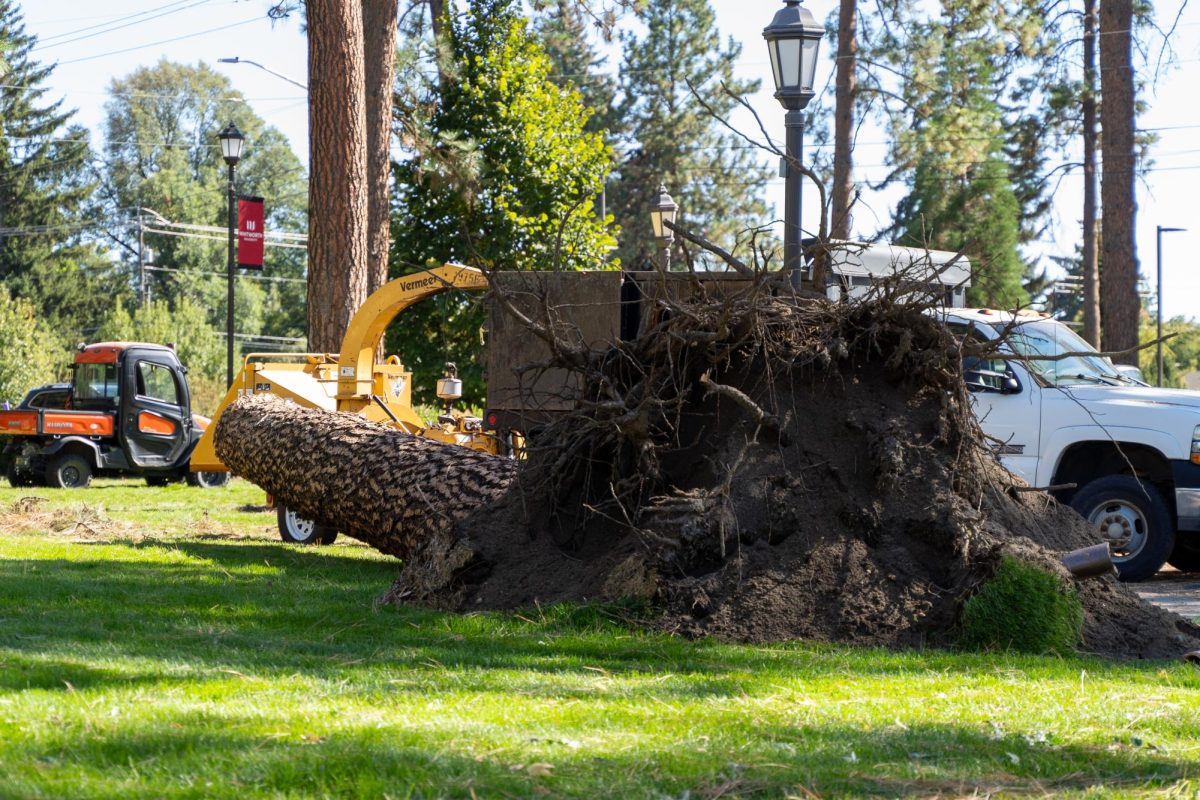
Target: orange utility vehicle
(127,412)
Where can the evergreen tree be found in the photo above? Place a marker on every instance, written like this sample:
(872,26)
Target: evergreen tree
(47,250)
(716,178)
(951,142)
(508,183)
(563,33)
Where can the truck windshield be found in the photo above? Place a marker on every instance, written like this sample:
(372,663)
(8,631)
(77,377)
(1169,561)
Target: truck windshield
(95,384)
(1048,338)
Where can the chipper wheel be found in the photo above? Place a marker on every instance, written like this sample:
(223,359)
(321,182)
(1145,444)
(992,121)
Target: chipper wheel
(296,529)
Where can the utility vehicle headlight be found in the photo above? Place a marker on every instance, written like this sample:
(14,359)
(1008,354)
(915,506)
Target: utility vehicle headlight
(1196,445)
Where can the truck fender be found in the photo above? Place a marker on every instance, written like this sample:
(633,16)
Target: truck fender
(75,443)
(1057,443)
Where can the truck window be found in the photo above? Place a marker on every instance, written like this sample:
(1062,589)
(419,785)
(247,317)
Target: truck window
(157,383)
(95,385)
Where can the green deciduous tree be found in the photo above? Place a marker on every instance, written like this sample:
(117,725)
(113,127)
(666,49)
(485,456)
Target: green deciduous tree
(46,183)
(505,178)
(34,354)
(672,139)
(163,155)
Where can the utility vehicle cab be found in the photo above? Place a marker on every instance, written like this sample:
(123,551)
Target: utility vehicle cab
(128,410)
(1127,455)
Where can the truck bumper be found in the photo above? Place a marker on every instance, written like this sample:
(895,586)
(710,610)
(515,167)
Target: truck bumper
(1187,495)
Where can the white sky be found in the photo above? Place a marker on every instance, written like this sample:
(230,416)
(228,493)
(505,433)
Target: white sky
(83,37)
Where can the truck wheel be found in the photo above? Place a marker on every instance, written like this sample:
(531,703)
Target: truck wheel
(1186,555)
(1133,518)
(208,480)
(68,471)
(18,478)
(296,529)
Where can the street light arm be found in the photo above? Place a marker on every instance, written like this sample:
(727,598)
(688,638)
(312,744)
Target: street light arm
(238,60)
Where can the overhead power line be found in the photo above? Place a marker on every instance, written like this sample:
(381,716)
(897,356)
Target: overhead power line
(42,46)
(162,41)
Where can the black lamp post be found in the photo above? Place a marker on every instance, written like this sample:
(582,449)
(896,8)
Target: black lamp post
(663,211)
(1158,345)
(231,148)
(792,37)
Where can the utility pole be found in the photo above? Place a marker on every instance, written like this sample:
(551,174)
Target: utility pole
(141,259)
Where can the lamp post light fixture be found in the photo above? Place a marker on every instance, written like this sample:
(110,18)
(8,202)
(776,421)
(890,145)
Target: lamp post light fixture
(231,149)
(1158,358)
(662,214)
(792,38)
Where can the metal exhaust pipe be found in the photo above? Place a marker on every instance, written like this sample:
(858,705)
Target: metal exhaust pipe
(1089,562)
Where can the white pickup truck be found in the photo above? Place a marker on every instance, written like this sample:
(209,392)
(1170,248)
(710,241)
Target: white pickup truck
(1131,452)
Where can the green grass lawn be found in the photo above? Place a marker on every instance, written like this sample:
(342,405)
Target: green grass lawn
(171,646)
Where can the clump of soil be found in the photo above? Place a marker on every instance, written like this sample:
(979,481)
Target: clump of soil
(759,472)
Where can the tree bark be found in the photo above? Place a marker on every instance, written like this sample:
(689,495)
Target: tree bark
(843,120)
(1119,306)
(392,490)
(338,191)
(437,8)
(379,56)
(1091,263)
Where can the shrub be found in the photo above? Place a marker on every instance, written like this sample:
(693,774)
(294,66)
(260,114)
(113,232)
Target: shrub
(1022,608)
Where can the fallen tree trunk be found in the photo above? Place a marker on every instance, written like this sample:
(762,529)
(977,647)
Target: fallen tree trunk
(390,489)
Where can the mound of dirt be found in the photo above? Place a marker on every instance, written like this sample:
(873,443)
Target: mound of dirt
(819,478)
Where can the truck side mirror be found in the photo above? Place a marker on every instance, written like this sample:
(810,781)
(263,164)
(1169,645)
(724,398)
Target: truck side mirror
(980,379)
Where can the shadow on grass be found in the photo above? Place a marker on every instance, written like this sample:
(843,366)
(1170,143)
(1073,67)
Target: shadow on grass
(399,758)
(268,610)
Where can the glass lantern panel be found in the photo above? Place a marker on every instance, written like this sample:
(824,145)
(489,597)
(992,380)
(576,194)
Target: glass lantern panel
(810,63)
(789,62)
(773,46)
(656,223)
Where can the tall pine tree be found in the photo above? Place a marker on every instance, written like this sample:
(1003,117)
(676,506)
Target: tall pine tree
(563,31)
(713,175)
(47,254)
(966,192)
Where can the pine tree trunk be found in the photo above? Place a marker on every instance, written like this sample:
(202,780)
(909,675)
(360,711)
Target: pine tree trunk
(1091,264)
(379,40)
(1119,306)
(436,9)
(843,120)
(387,488)
(337,217)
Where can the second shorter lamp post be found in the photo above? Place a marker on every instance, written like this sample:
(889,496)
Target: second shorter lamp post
(231,149)
(792,37)
(662,214)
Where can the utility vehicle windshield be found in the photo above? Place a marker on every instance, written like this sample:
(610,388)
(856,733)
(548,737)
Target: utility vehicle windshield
(1046,338)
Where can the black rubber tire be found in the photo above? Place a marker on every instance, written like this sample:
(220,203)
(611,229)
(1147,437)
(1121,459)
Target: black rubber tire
(297,530)
(1186,555)
(208,480)
(68,471)
(16,478)
(1123,500)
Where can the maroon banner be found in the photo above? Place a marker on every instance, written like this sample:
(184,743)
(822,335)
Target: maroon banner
(250,233)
